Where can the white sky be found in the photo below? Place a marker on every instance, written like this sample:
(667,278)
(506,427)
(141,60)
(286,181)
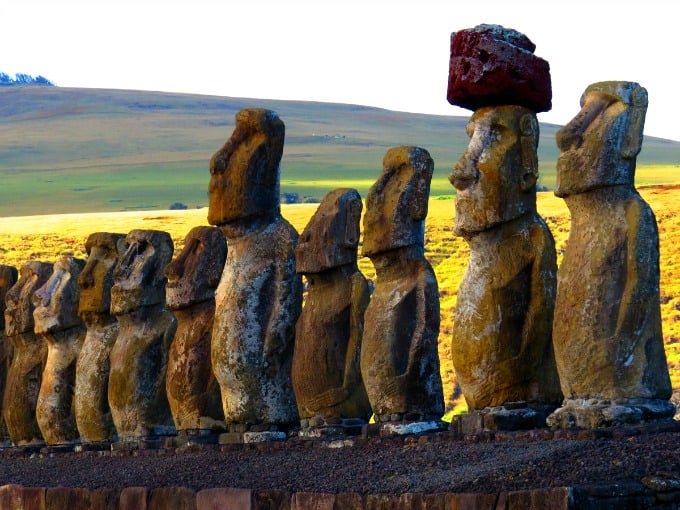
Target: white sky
(390,54)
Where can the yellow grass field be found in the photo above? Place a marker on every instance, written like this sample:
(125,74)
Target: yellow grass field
(45,237)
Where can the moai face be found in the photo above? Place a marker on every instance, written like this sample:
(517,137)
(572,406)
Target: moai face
(8,277)
(244,173)
(331,237)
(194,274)
(496,176)
(600,145)
(56,302)
(19,307)
(396,205)
(139,278)
(96,278)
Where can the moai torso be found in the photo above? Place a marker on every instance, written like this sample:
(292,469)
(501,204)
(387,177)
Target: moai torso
(607,330)
(29,353)
(8,277)
(399,358)
(258,299)
(57,322)
(139,357)
(502,349)
(326,362)
(193,391)
(91,399)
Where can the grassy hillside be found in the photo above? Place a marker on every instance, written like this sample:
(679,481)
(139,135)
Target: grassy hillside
(45,237)
(76,150)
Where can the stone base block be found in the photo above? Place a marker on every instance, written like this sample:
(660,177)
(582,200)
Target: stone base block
(511,416)
(330,429)
(595,413)
(414,427)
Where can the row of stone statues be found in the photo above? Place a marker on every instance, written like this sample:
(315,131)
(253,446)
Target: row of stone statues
(132,343)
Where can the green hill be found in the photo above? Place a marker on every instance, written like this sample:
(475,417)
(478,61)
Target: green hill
(75,150)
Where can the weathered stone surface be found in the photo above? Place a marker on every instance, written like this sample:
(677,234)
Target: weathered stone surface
(22,498)
(560,498)
(91,399)
(175,498)
(104,499)
(472,501)
(259,297)
(29,355)
(326,361)
(233,499)
(399,359)
(492,66)
(134,498)
(272,499)
(66,498)
(57,322)
(139,357)
(612,347)
(502,346)
(193,276)
(8,277)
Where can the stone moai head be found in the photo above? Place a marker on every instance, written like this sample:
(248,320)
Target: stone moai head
(396,205)
(194,274)
(496,176)
(96,278)
(331,237)
(56,302)
(8,277)
(244,173)
(19,306)
(600,145)
(139,278)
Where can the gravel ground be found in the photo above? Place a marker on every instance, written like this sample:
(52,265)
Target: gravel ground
(430,464)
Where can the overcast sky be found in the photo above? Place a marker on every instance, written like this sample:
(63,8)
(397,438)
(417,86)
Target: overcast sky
(390,54)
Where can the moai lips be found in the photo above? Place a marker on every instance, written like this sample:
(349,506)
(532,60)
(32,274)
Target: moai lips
(491,65)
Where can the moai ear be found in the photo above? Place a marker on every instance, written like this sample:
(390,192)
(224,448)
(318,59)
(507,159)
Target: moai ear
(353,208)
(632,141)
(528,128)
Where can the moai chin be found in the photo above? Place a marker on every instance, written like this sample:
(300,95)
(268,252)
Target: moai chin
(193,276)
(139,356)
(8,277)
(607,328)
(326,361)
(57,322)
(91,399)
(399,359)
(502,346)
(259,297)
(28,357)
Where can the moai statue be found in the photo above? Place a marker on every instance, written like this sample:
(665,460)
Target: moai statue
(139,357)
(57,322)
(91,399)
(8,277)
(29,353)
(326,362)
(607,328)
(502,345)
(259,296)
(193,391)
(399,359)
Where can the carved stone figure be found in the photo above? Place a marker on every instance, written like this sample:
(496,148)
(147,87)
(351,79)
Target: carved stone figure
(29,353)
(139,357)
(57,322)
(502,344)
(326,362)
(607,329)
(259,296)
(193,391)
(399,359)
(8,277)
(91,399)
